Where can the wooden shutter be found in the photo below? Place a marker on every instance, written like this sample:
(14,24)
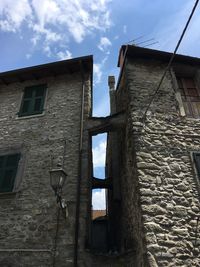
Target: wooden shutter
(8,170)
(33,100)
(190,96)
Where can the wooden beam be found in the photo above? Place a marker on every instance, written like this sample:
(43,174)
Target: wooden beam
(114,122)
(101,183)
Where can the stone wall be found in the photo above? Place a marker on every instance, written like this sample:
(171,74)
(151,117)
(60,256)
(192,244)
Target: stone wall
(132,238)
(29,217)
(159,152)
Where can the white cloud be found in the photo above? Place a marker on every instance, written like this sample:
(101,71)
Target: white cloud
(46,11)
(28,56)
(102,108)
(99,154)
(35,39)
(124,29)
(97,72)
(104,44)
(47,50)
(50,36)
(56,19)
(13,14)
(64,55)
(97,68)
(99,200)
(6,26)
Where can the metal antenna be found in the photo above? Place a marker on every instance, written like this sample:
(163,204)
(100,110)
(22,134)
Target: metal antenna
(145,41)
(132,41)
(151,44)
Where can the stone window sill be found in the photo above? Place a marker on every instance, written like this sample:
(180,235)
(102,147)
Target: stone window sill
(111,255)
(104,254)
(30,116)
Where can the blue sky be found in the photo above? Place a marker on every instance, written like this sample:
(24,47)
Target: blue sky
(35,32)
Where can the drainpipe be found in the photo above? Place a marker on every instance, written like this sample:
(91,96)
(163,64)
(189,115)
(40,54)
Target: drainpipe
(79,172)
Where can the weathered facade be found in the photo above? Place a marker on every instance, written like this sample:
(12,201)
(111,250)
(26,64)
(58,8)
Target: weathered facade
(159,176)
(152,167)
(33,230)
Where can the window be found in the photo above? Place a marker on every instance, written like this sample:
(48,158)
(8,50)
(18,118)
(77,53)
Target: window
(8,171)
(190,96)
(33,100)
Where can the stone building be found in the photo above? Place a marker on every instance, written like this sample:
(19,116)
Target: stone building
(42,110)
(152,165)
(159,156)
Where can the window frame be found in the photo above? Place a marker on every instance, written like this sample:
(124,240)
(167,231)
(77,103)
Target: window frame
(32,101)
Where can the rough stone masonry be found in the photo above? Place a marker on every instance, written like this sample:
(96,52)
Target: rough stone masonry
(157,185)
(31,233)
(160,185)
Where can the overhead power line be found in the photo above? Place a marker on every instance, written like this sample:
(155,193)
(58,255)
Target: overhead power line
(171,60)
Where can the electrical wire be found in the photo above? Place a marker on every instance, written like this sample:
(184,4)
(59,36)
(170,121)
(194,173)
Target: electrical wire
(170,61)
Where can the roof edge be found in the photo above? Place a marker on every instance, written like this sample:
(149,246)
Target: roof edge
(137,51)
(48,69)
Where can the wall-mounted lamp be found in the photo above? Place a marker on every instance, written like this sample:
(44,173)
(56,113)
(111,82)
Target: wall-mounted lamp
(57,179)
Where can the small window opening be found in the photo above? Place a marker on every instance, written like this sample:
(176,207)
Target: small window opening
(99,212)
(99,143)
(104,237)
(99,233)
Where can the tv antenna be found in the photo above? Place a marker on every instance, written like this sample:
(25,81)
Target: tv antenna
(144,43)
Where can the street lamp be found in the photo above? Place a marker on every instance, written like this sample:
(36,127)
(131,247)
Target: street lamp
(57,180)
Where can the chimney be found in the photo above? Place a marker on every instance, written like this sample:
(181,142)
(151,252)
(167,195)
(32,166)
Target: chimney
(111,84)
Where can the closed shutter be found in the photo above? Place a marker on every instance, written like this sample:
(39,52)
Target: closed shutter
(8,170)
(33,100)
(190,96)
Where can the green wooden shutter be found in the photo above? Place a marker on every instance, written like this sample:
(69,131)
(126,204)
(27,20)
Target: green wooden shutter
(8,171)
(39,97)
(33,100)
